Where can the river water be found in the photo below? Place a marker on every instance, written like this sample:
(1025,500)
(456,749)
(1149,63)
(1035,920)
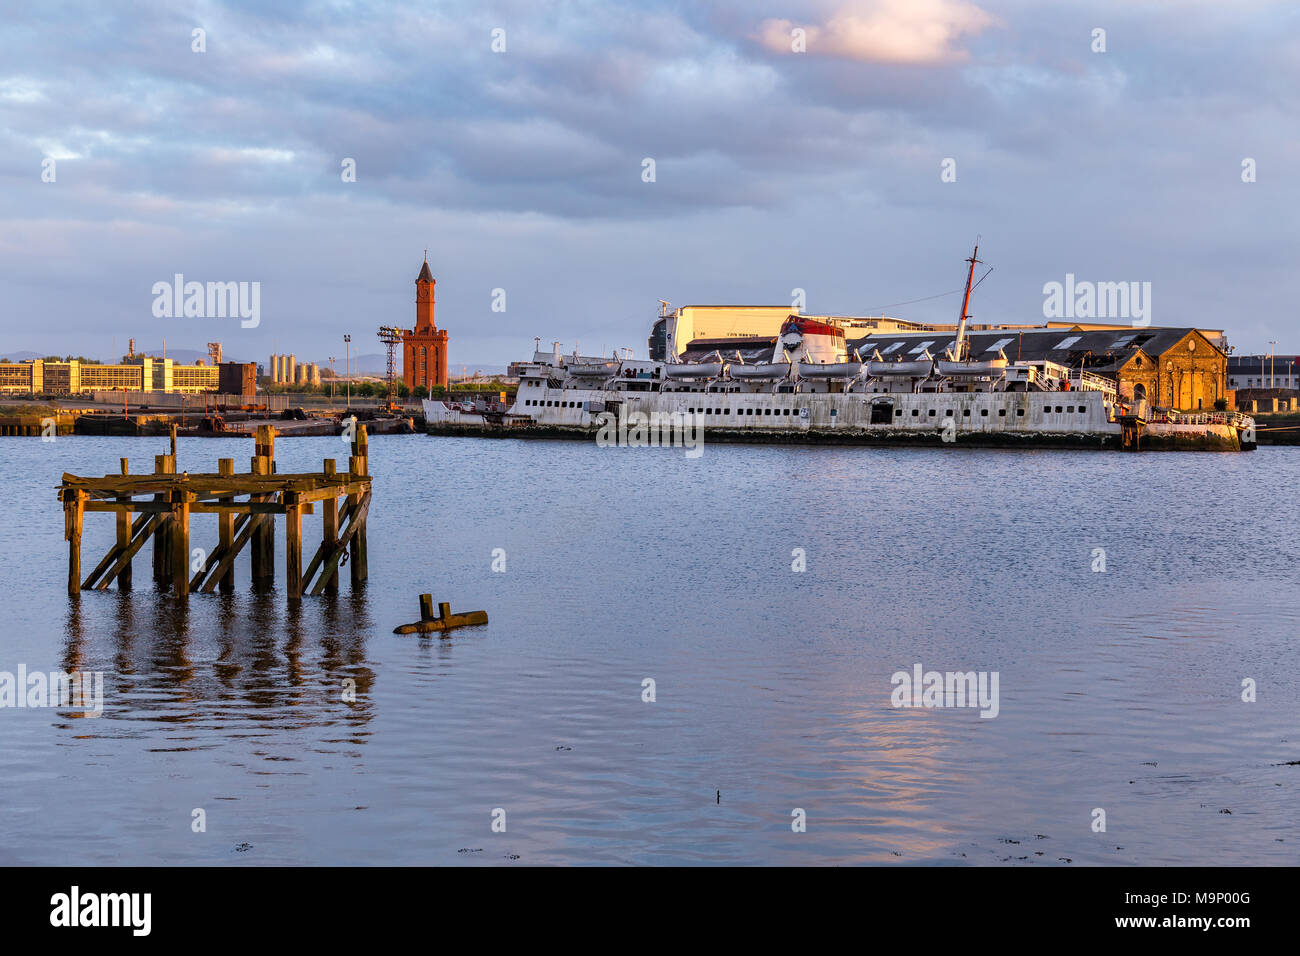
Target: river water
(1118,691)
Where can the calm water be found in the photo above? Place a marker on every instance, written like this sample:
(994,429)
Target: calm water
(1119,690)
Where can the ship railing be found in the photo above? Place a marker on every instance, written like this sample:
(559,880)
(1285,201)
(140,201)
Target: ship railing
(1091,381)
(1233,418)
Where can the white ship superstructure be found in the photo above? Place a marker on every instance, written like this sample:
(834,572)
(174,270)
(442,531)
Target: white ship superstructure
(934,387)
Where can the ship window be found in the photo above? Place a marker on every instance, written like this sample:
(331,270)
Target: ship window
(1002,413)
(948,413)
(920,348)
(984,413)
(965,413)
(1058,409)
(915,412)
(932,413)
(1070,409)
(898,412)
(1020,413)
(1082,410)
(767,411)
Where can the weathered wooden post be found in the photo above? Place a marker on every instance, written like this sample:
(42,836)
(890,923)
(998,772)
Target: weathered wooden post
(124,533)
(162,538)
(358,465)
(73,510)
(330,527)
(292,545)
(226,525)
(181,498)
(264,529)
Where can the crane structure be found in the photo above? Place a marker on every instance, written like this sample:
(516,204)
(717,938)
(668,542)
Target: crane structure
(391,337)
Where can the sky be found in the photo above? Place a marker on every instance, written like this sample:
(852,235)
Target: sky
(852,149)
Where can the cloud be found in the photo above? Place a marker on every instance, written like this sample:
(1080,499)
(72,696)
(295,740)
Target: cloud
(886,31)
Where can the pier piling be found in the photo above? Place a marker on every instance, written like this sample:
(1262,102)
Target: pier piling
(159,507)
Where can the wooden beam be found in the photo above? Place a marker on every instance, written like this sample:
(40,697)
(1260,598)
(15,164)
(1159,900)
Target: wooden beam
(332,559)
(321,550)
(228,559)
(226,526)
(72,516)
(293,546)
(359,466)
(124,533)
(162,537)
(137,542)
(222,549)
(330,529)
(181,543)
(116,551)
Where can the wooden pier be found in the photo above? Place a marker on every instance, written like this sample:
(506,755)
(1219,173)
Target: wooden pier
(159,506)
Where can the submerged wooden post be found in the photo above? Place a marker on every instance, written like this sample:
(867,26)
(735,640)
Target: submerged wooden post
(330,529)
(73,510)
(358,465)
(124,533)
(162,538)
(445,621)
(181,541)
(226,525)
(264,528)
(293,545)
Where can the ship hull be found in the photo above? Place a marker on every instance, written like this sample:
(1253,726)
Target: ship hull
(1076,419)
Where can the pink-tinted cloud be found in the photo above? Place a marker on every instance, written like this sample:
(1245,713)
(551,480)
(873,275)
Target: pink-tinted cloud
(885,31)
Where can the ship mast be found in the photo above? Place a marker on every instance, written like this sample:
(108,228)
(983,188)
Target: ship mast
(959,354)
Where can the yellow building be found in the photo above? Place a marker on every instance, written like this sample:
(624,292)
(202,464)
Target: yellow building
(76,378)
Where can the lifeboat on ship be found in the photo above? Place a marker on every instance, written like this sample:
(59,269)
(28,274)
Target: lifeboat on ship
(984,368)
(593,369)
(765,372)
(712,369)
(915,368)
(831,370)
(759,372)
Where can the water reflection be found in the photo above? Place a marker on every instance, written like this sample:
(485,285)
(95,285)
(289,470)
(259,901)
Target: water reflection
(223,661)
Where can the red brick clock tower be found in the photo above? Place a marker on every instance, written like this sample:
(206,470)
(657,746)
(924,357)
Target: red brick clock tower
(424,348)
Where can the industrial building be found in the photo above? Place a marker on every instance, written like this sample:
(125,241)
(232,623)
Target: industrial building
(141,374)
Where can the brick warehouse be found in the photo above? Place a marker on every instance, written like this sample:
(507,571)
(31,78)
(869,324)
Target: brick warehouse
(424,348)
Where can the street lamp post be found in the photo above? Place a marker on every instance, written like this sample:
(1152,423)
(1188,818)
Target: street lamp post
(1272,379)
(331,378)
(347,343)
